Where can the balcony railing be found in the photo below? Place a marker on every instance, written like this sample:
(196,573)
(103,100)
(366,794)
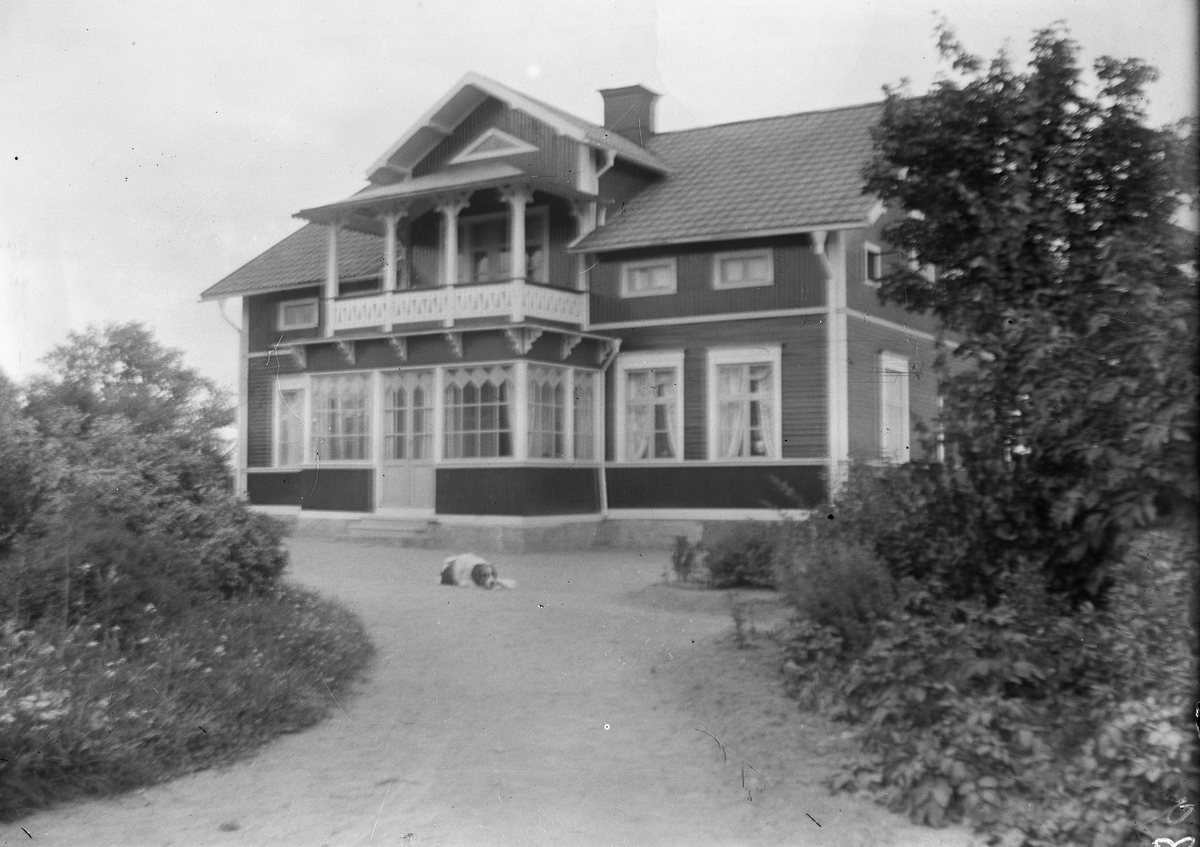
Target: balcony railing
(513,300)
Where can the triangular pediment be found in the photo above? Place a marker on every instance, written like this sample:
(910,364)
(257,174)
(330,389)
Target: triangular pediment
(492,144)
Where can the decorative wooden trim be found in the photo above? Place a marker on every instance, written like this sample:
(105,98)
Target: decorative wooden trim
(347,351)
(471,153)
(298,353)
(569,341)
(399,343)
(454,339)
(766,314)
(522,338)
(608,351)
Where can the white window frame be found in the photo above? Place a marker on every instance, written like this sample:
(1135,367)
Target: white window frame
(640,361)
(373,414)
(282,384)
(771,354)
(282,306)
(765,253)
(628,267)
(870,249)
(893,363)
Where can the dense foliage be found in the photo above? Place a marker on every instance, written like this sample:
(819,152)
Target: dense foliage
(139,598)
(1046,210)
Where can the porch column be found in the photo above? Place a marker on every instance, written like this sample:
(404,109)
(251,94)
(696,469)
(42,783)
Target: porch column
(331,274)
(450,205)
(391,219)
(518,196)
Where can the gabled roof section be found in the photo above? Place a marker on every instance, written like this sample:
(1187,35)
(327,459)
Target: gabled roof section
(491,144)
(467,95)
(794,173)
(299,260)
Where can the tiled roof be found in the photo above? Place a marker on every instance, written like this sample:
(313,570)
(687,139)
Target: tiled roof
(299,259)
(771,175)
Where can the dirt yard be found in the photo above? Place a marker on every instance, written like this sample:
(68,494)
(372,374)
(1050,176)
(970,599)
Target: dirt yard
(584,707)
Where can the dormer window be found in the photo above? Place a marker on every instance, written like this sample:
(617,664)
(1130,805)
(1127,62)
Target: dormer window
(493,144)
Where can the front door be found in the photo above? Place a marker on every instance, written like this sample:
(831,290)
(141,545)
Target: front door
(408,473)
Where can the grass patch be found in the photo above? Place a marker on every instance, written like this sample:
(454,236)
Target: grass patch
(89,710)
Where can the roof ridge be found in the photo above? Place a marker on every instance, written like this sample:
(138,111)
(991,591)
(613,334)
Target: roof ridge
(770,118)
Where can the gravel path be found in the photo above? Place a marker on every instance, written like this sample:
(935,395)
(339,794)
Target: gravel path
(568,711)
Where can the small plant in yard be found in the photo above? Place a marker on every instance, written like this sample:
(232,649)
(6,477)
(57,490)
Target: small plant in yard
(686,558)
(87,710)
(742,554)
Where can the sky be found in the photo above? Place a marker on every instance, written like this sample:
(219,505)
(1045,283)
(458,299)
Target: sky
(148,149)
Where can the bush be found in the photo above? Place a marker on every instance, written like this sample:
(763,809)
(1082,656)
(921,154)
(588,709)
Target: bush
(1038,725)
(686,558)
(87,713)
(841,585)
(742,554)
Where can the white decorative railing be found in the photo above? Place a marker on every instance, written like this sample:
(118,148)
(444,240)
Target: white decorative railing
(513,300)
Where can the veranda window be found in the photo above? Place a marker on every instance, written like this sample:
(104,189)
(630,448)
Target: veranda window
(894,408)
(651,414)
(341,417)
(745,411)
(479,412)
(547,412)
(585,415)
(290,427)
(408,415)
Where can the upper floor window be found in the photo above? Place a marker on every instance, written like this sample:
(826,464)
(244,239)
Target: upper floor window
(744,419)
(743,269)
(648,278)
(650,415)
(297,314)
(872,264)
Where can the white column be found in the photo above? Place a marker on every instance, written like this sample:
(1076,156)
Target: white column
(331,274)
(518,196)
(569,416)
(390,220)
(450,206)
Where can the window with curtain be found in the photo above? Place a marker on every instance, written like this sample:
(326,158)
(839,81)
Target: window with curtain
(584,412)
(652,426)
(744,269)
(479,414)
(483,248)
(408,415)
(290,427)
(547,412)
(341,409)
(745,405)
(893,397)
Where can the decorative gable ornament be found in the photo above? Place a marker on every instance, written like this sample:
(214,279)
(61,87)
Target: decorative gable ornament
(492,144)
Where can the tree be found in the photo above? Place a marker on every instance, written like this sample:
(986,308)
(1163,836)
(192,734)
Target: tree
(1046,211)
(19,453)
(121,371)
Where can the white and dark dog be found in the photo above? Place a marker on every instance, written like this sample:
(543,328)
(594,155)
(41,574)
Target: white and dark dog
(467,569)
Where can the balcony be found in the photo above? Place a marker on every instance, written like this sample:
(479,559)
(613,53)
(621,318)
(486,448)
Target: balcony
(512,300)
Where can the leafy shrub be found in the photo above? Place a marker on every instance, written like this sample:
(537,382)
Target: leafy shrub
(742,554)
(839,584)
(1039,725)
(84,713)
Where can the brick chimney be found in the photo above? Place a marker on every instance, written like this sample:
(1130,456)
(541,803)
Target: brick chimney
(629,111)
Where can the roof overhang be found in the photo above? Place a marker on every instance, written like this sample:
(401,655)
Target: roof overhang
(363,211)
(467,95)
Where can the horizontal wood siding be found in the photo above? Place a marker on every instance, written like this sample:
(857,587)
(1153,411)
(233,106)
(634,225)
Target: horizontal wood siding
(799,282)
(621,182)
(522,490)
(338,489)
(803,377)
(554,158)
(264,309)
(864,297)
(273,489)
(866,343)
(714,486)
(260,399)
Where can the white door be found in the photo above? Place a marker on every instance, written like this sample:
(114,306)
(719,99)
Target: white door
(407,467)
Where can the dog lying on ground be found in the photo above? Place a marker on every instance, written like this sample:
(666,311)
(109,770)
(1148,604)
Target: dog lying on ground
(467,568)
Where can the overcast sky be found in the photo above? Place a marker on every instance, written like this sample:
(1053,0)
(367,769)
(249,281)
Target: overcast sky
(149,149)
